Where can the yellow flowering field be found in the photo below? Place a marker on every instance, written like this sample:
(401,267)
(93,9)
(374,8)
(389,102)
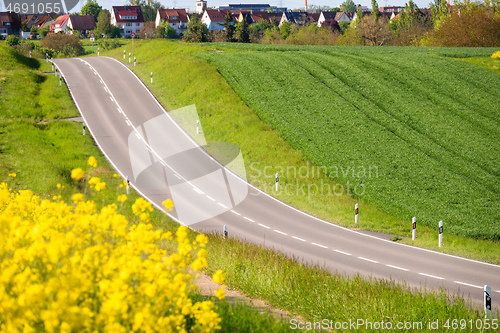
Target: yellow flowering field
(71,268)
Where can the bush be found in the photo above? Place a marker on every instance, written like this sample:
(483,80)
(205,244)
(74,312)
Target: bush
(68,45)
(12,40)
(109,44)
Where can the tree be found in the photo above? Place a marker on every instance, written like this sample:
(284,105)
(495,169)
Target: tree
(374,32)
(344,25)
(164,30)
(285,29)
(69,45)
(348,6)
(440,11)
(258,28)
(148,11)
(91,7)
(103,25)
(197,31)
(241,33)
(375,11)
(228,26)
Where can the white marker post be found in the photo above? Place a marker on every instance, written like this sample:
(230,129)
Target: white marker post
(356,211)
(46,57)
(123,54)
(440,233)
(97,51)
(197,126)
(225,231)
(128,185)
(30,54)
(151,77)
(135,61)
(129,55)
(487,300)
(414,228)
(277,182)
(52,66)
(83,128)
(60,80)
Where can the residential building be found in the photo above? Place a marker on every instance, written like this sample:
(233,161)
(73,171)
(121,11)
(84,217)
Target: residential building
(82,23)
(201,6)
(60,24)
(300,18)
(252,7)
(214,19)
(10,24)
(176,18)
(128,18)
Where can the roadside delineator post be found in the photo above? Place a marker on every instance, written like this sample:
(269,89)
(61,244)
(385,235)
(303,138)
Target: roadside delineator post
(83,128)
(277,182)
(135,60)
(197,126)
(487,300)
(128,185)
(440,233)
(225,231)
(129,57)
(123,54)
(414,228)
(151,77)
(97,51)
(46,57)
(52,66)
(30,54)
(356,211)
(60,80)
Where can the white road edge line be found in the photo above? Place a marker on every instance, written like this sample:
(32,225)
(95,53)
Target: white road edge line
(264,226)
(366,259)
(342,252)
(432,276)
(280,232)
(396,267)
(246,218)
(316,244)
(235,212)
(468,284)
(300,239)
(207,196)
(222,205)
(197,190)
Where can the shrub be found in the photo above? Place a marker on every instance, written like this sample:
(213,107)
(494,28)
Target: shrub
(12,40)
(68,45)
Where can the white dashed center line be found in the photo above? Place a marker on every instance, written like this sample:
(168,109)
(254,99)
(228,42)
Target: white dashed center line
(400,268)
(366,259)
(222,205)
(280,232)
(235,212)
(246,218)
(468,284)
(432,276)
(319,245)
(342,252)
(211,198)
(300,239)
(265,226)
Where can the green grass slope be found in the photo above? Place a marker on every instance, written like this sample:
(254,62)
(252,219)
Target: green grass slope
(426,126)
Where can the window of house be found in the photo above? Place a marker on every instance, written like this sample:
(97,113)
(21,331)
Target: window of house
(128,24)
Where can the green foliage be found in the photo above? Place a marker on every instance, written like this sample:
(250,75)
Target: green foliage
(285,29)
(103,25)
(34,31)
(228,26)
(356,107)
(196,31)
(91,7)
(109,44)
(241,33)
(12,40)
(43,31)
(164,30)
(344,25)
(375,12)
(348,6)
(68,45)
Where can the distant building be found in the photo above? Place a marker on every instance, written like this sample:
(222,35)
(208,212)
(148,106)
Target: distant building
(201,6)
(252,7)
(60,24)
(82,23)
(10,24)
(214,19)
(128,18)
(176,18)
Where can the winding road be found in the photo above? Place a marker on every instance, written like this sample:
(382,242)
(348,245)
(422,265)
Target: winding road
(143,142)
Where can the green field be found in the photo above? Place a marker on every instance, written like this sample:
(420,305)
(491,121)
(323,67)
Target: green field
(413,131)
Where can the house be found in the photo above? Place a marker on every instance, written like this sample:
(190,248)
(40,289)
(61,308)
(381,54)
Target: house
(251,7)
(128,18)
(300,18)
(275,18)
(176,18)
(326,17)
(39,21)
(201,6)
(10,24)
(82,23)
(60,24)
(214,19)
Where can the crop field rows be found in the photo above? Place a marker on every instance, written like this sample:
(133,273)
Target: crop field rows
(428,123)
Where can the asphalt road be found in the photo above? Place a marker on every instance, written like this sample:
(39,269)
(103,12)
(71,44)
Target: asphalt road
(142,141)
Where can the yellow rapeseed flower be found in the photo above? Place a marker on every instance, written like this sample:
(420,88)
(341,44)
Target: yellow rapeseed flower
(496,54)
(122,198)
(92,161)
(168,204)
(77,174)
(13,175)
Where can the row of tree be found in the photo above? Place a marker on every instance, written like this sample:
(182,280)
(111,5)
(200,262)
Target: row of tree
(467,23)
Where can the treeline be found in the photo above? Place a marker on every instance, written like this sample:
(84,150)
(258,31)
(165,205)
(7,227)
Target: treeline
(466,23)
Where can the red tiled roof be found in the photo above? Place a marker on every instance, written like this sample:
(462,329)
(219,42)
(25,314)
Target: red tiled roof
(216,15)
(122,11)
(173,15)
(83,22)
